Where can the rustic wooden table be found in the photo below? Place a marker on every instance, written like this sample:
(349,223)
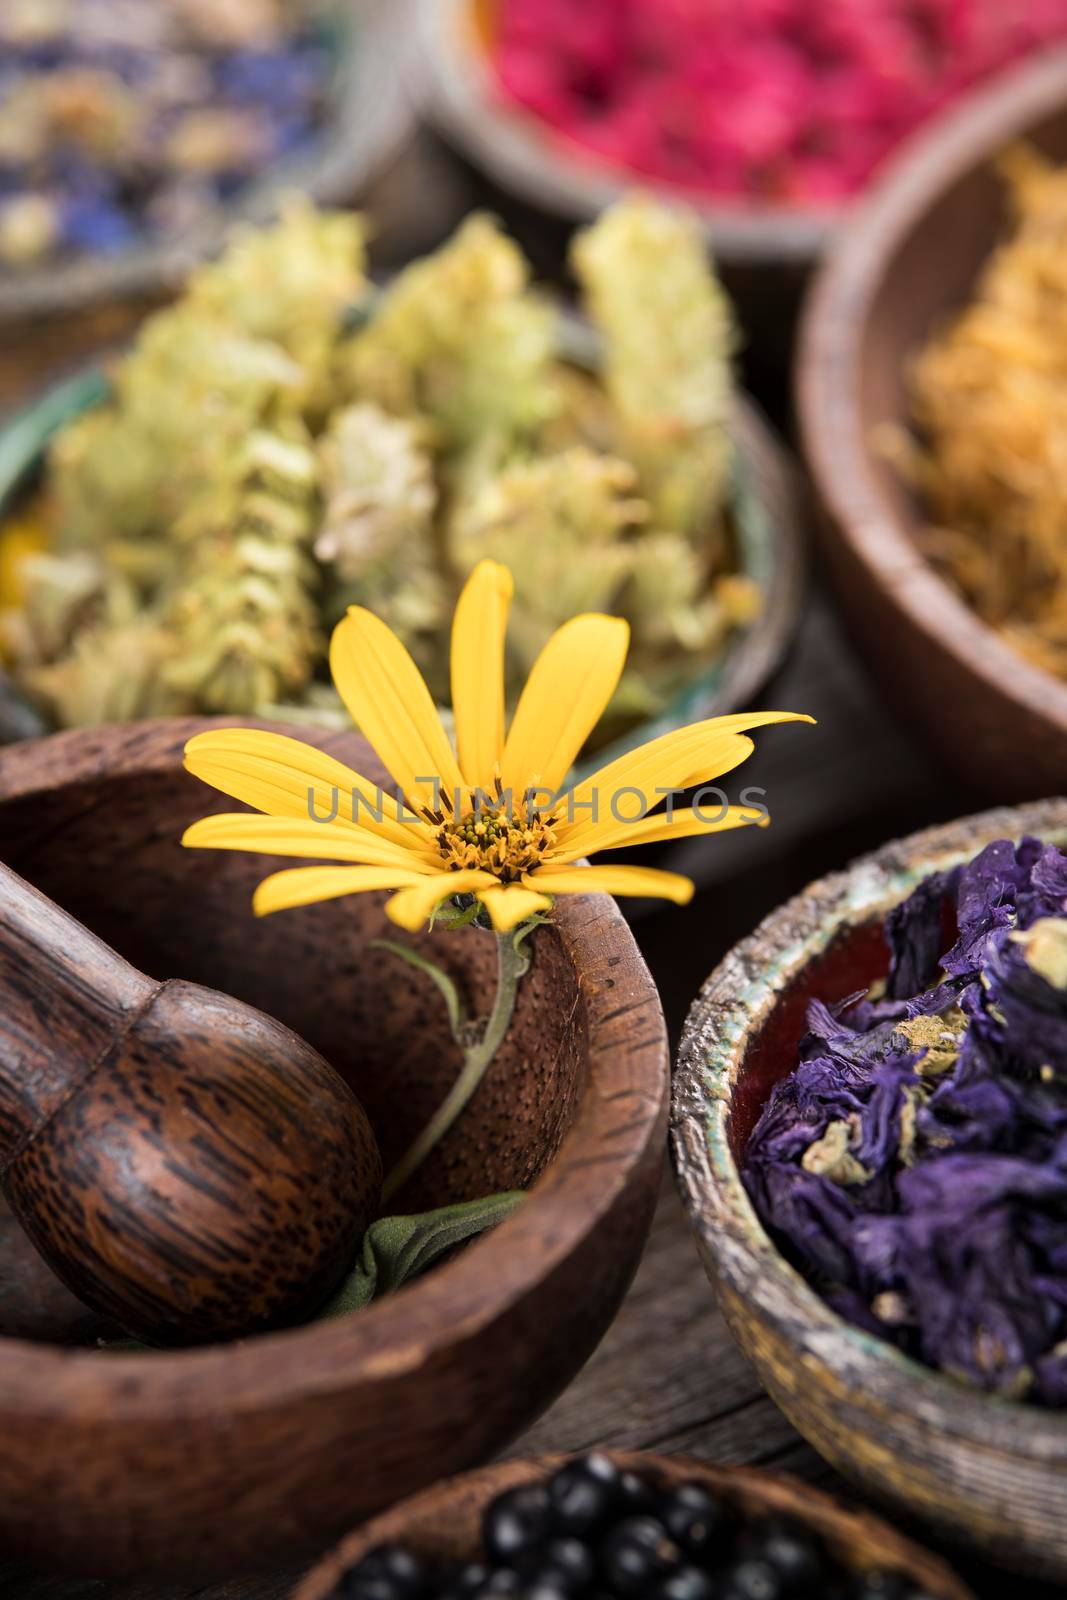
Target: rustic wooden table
(668,1375)
(856,781)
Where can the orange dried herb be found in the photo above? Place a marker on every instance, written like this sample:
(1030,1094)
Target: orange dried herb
(989,397)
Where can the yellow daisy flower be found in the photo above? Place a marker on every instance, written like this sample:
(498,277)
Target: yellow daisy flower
(490,818)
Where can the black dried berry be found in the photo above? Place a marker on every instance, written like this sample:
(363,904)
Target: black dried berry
(637,1553)
(752,1579)
(545,1588)
(584,1494)
(467,1582)
(879,1585)
(696,1521)
(389,1572)
(791,1551)
(516,1523)
(569,1562)
(636,1497)
(503,1581)
(688,1583)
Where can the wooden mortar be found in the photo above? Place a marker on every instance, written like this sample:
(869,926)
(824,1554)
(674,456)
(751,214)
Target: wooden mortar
(243,1456)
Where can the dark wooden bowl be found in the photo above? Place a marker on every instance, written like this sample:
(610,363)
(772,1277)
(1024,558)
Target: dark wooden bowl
(234,1457)
(444,1523)
(982,1472)
(909,256)
(370,118)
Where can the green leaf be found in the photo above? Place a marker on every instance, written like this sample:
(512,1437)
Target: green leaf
(523,932)
(26,435)
(397,1249)
(432,970)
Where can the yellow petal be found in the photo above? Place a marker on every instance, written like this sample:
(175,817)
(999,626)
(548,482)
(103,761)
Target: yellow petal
(303,886)
(511,904)
(478,630)
(287,778)
(299,836)
(411,907)
(387,695)
(649,772)
(565,696)
(650,830)
(612,880)
(677,760)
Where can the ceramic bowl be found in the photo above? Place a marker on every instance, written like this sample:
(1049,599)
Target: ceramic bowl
(770,522)
(545,183)
(982,1472)
(237,1457)
(370,117)
(526,157)
(910,256)
(445,1522)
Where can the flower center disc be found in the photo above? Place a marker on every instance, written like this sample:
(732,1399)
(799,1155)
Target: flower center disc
(492,840)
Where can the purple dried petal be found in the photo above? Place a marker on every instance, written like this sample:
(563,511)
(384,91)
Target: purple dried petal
(914,933)
(955,1247)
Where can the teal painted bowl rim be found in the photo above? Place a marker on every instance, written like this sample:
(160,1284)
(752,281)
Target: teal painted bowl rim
(370,116)
(769,514)
(731,1010)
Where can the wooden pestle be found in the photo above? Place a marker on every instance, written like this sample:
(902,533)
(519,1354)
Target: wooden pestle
(185,1164)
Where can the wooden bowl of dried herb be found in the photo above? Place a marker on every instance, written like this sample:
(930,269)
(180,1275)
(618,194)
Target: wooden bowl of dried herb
(708,1525)
(369,446)
(117,1461)
(871,1094)
(924,399)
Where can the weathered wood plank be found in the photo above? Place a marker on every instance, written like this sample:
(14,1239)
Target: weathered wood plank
(667,1376)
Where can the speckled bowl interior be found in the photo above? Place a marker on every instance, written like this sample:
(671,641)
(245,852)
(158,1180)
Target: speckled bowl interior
(984,1472)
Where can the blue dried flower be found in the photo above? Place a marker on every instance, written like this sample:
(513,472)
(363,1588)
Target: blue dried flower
(140,123)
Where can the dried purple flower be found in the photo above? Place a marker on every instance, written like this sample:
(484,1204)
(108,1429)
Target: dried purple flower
(914,1163)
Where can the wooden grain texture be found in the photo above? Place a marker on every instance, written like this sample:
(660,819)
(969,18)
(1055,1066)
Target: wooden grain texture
(121,1463)
(187,1166)
(909,258)
(443,1524)
(989,1472)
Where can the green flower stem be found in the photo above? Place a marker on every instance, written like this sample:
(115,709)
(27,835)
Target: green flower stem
(512,962)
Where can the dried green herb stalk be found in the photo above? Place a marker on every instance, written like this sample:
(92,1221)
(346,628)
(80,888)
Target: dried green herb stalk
(377,539)
(669,336)
(460,339)
(262,466)
(246,610)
